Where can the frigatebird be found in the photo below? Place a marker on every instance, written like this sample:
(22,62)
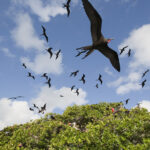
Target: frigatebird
(83,78)
(99,42)
(49,50)
(67,6)
(72,87)
(100,78)
(123,49)
(44,33)
(77,91)
(15,97)
(145,73)
(48,82)
(45,75)
(34,105)
(97,85)
(23,64)
(129,53)
(57,54)
(43,109)
(143,83)
(74,73)
(127,100)
(30,75)
(31,109)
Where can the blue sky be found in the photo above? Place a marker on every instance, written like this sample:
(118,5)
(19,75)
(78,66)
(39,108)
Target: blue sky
(128,22)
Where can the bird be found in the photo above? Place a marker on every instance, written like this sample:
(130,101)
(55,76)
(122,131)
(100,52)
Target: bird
(100,78)
(143,83)
(74,73)
(97,85)
(43,109)
(30,75)
(15,97)
(77,91)
(44,33)
(67,6)
(57,54)
(34,105)
(145,73)
(61,95)
(72,87)
(127,100)
(99,42)
(49,50)
(31,109)
(129,53)
(48,82)
(45,75)
(82,79)
(123,49)
(23,64)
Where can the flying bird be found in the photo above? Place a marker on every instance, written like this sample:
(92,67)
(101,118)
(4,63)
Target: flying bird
(127,100)
(48,82)
(24,65)
(15,97)
(143,83)
(72,87)
(129,53)
(31,109)
(43,109)
(34,105)
(145,73)
(30,75)
(44,33)
(99,42)
(77,91)
(123,49)
(57,54)
(49,50)
(45,76)
(83,78)
(74,73)
(97,85)
(61,95)
(100,78)
(67,6)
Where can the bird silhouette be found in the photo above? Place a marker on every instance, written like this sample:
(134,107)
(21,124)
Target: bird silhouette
(61,95)
(77,91)
(34,105)
(145,73)
(129,53)
(72,87)
(48,82)
(45,76)
(67,6)
(49,50)
(127,100)
(83,78)
(15,97)
(74,73)
(23,64)
(31,109)
(57,54)
(44,33)
(123,49)
(97,85)
(99,42)
(43,109)
(30,75)
(100,78)
(143,83)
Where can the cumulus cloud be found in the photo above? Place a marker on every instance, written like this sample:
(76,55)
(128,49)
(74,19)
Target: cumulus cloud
(42,63)
(14,112)
(107,70)
(145,104)
(24,34)
(8,53)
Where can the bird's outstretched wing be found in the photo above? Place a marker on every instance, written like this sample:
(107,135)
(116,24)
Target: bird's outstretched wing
(112,56)
(95,19)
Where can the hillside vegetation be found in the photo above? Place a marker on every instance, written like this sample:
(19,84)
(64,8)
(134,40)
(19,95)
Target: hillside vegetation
(88,127)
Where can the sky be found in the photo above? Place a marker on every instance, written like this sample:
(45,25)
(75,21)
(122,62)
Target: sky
(127,21)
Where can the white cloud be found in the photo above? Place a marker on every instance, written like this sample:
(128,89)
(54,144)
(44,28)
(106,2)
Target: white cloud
(51,97)
(8,53)
(145,104)
(14,112)
(107,70)
(24,34)
(42,63)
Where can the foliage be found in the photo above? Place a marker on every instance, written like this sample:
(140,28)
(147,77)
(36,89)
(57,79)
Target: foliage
(98,128)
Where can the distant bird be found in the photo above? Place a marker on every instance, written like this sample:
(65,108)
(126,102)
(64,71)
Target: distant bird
(35,106)
(48,82)
(74,73)
(49,50)
(127,100)
(97,85)
(44,33)
(15,97)
(30,75)
(123,49)
(72,87)
(100,78)
(61,95)
(67,6)
(145,73)
(99,42)
(31,109)
(77,91)
(24,65)
(45,76)
(143,83)
(43,109)
(83,78)
(79,53)
(57,54)
(129,53)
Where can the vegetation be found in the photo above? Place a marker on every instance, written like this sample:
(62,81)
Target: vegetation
(98,128)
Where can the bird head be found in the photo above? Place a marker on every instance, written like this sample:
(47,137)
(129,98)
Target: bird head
(109,40)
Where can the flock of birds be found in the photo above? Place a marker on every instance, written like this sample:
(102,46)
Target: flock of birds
(100,43)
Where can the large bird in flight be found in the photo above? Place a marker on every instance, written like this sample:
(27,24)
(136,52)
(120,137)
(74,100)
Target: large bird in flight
(67,6)
(99,42)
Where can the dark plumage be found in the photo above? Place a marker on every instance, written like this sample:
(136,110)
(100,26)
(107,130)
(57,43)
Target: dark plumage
(15,97)
(145,73)
(100,78)
(61,95)
(77,91)
(83,78)
(48,82)
(30,75)
(74,73)
(57,54)
(72,87)
(129,53)
(99,42)
(127,100)
(24,65)
(143,83)
(43,109)
(31,109)
(123,49)
(45,76)
(97,85)
(44,33)
(49,50)
(67,6)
